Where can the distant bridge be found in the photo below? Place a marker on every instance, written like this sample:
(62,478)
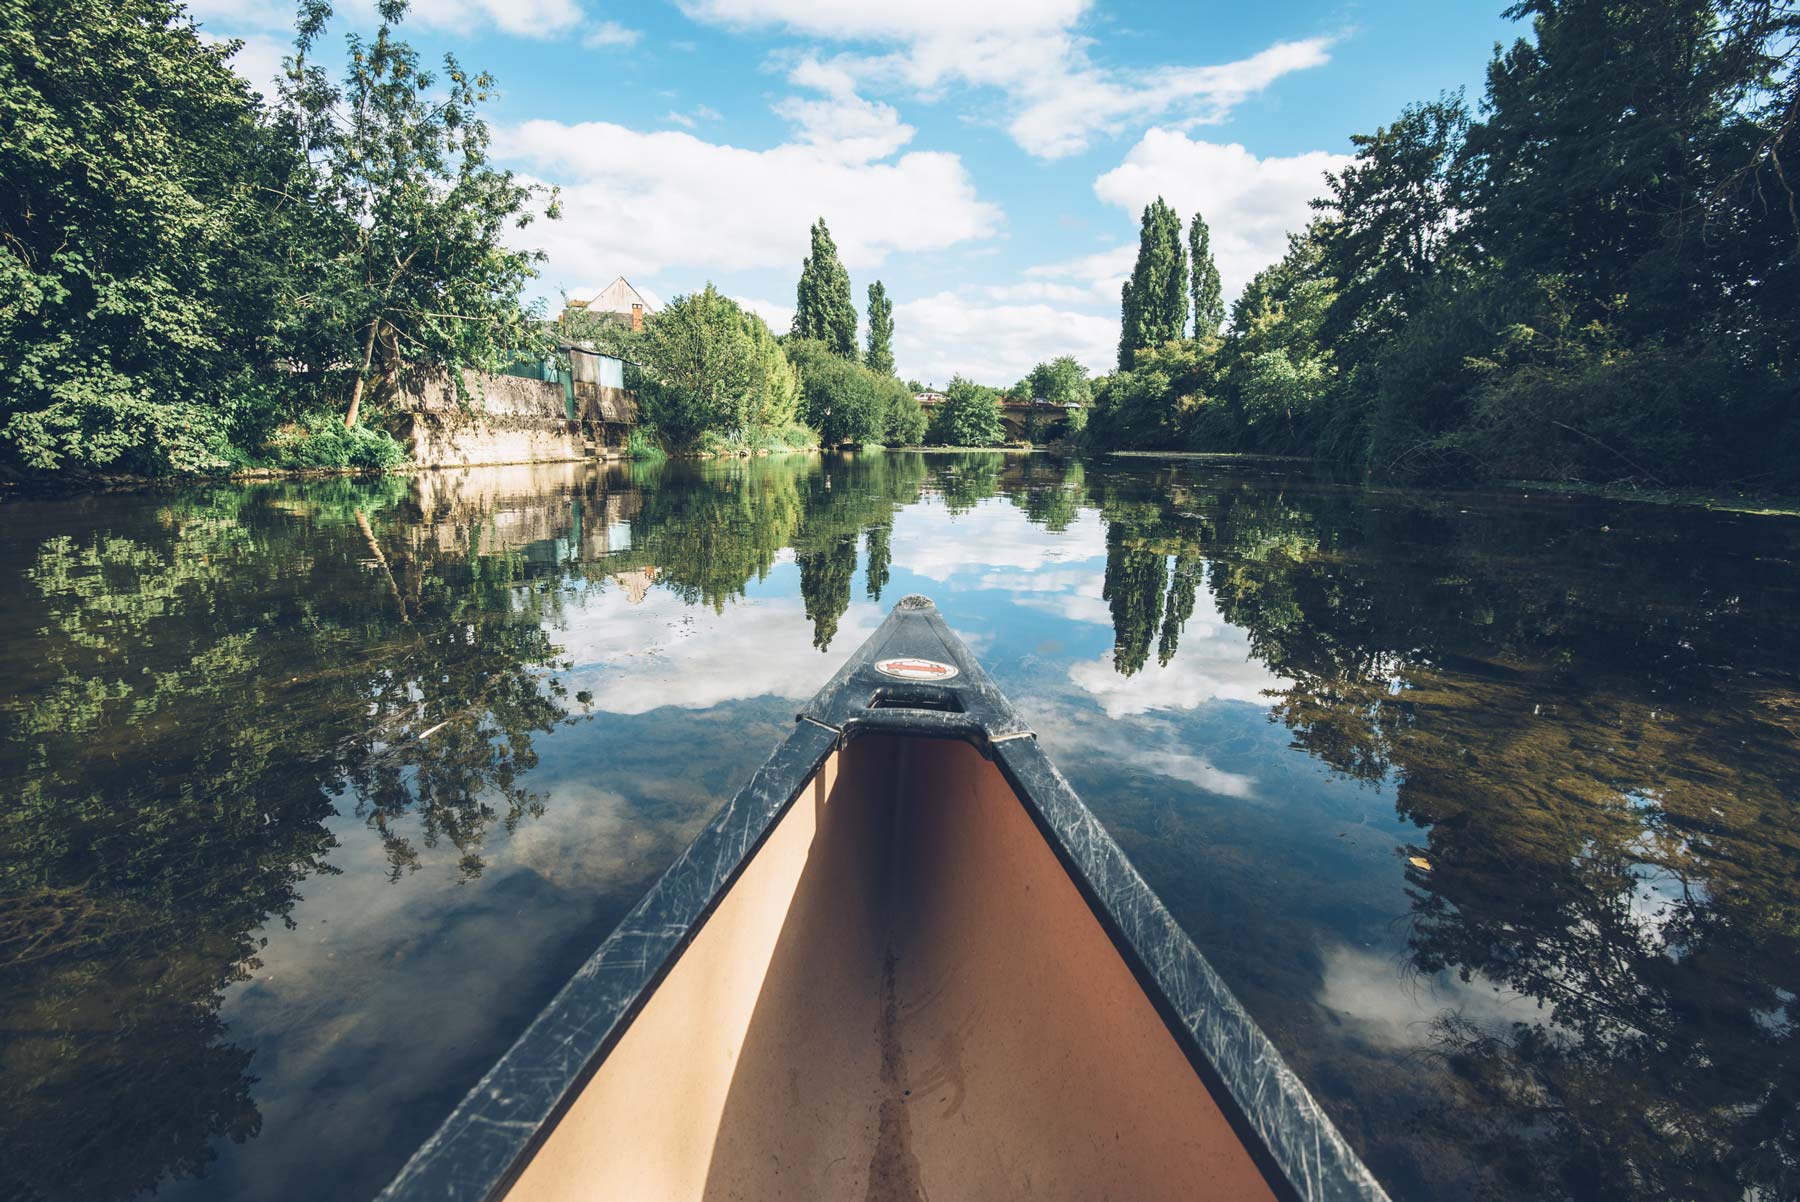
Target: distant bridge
(1015,415)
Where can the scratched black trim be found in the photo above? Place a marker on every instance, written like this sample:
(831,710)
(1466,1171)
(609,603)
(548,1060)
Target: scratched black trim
(492,1134)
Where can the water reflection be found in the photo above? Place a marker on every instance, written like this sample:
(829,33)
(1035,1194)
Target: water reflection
(1592,731)
(1484,804)
(205,683)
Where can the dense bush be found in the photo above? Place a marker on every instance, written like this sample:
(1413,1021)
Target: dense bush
(136,291)
(641,445)
(792,437)
(1157,401)
(839,397)
(904,418)
(712,370)
(969,416)
(323,441)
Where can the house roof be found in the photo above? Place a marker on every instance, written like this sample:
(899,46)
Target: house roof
(619,296)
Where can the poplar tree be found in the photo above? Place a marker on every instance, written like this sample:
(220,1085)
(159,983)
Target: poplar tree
(1209,299)
(880,357)
(1154,301)
(823,309)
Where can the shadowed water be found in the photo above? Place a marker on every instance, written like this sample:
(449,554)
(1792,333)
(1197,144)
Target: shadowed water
(1485,804)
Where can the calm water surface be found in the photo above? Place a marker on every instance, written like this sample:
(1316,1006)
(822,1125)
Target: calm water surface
(1486,805)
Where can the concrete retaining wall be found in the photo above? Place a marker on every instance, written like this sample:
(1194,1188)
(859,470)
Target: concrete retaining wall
(508,419)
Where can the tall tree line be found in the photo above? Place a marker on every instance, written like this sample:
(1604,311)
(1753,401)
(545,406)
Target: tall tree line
(823,310)
(1153,302)
(1594,278)
(880,356)
(1209,297)
(174,295)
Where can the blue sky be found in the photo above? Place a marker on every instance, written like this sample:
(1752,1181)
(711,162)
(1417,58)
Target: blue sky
(986,159)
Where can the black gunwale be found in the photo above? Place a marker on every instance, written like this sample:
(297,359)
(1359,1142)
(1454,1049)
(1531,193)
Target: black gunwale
(490,1136)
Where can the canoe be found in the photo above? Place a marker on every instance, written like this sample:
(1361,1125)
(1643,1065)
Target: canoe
(904,962)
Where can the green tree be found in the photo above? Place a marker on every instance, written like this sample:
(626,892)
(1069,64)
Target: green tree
(1062,381)
(875,574)
(1209,298)
(1158,402)
(905,420)
(1597,146)
(1390,217)
(968,417)
(413,269)
(605,333)
(1277,375)
(133,883)
(1154,301)
(839,397)
(774,401)
(1648,1069)
(825,577)
(880,357)
(1133,589)
(140,305)
(823,310)
(709,534)
(703,368)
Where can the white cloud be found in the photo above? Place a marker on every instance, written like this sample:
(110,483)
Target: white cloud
(778,317)
(1195,770)
(268,15)
(992,536)
(1049,580)
(662,652)
(938,336)
(1213,663)
(1074,596)
(640,203)
(1092,279)
(609,33)
(1148,745)
(1061,114)
(1199,673)
(258,60)
(1250,203)
(525,18)
(841,123)
(1059,97)
(1392,1009)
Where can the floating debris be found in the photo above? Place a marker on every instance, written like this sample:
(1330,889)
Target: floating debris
(1419,862)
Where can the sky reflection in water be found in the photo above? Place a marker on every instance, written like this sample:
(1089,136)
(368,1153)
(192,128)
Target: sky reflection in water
(1482,803)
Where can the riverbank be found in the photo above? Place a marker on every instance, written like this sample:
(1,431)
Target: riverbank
(1721,501)
(1763,504)
(70,484)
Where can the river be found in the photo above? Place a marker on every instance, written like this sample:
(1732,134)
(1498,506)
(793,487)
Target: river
(1486,804)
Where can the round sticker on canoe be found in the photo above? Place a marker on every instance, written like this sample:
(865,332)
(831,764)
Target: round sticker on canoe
(909,667)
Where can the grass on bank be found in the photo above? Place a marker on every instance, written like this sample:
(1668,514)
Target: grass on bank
(641,446)
(320,440)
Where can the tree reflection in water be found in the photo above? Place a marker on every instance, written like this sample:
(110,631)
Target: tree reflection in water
(1590,724)
(216,676)
(211,681)
(1600,753)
